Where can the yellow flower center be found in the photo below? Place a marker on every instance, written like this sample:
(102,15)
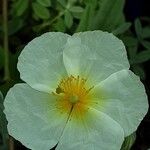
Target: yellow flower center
(73,94)
(73,99)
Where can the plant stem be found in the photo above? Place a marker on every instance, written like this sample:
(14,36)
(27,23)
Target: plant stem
(53,20)
(6,50)
(6,54)
(11,143)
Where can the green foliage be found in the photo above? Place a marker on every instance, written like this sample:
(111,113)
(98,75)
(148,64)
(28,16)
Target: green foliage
(146,32)
(122,28)
(45,3)
(19,7)
(41,11)
(87,16)
(76,9)
(50,15)
(141,57)
(138,47)
(109,15)
(138,28)
(68,19)
(129,141)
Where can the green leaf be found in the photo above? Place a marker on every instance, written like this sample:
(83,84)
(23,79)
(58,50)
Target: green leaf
(15,25)
(60,25)
(21,6)
(121,29)
(146,44)
(84,22)
(132,51)
(141,57)
(128,142)
(63,3)
(132,45)
(139,71)
(72,1)
(138,28)
(87,16)
(68,19)
(40,11)
(76,9)
(109,16)
(130,41)
(146,32)
(77,15)
(45,3)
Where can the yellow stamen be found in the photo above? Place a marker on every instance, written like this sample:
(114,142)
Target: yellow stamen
(73,94)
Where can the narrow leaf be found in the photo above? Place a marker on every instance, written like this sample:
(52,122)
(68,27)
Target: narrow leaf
(84,20)
(59,25)
(138,28)
(129,41)
(146,32)
(21,6)
(76,9)
(63,3)
(41,11)
(146,44)
(45,3)
(122,28)
(139,71)
(131,44)
(128,142)
(68,19)
(15,25)
(87,16)
(109,15)
(141,57)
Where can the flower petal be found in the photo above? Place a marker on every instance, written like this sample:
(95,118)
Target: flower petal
(33,118)
(94,54)
(93,131)
(122,96)
(41,63)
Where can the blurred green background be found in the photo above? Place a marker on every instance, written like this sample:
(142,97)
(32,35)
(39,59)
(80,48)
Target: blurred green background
(23,20)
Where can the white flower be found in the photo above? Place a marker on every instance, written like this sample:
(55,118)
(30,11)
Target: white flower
(79,93)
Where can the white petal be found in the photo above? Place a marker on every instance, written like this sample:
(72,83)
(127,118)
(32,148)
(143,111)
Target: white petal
(41,63)
(33,118)
(122,96)
(93,131)
(94,55)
